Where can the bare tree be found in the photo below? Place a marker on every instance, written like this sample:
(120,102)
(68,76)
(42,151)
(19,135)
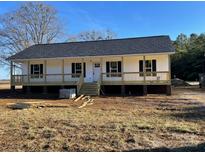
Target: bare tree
(93,35)
(33,23)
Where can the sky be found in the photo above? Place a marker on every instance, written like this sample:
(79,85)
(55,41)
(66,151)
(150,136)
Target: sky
(126,19)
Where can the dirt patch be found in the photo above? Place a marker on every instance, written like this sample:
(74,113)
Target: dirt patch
(152,123)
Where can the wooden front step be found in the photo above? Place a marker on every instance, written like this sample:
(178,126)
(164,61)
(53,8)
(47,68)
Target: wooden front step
(89,89)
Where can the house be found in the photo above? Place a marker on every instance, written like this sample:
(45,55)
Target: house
(128,66)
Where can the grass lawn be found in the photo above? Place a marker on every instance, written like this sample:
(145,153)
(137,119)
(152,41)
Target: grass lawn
(152,123)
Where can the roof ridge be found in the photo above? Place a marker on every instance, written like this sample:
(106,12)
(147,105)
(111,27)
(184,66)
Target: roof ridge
(154,36)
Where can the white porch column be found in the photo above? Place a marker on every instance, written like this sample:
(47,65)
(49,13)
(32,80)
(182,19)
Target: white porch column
(82,68)
(63,77)
(101,69)
(144,71)
(28,71)
(122,68)
(11,75)
(169,68)
(14,69)
(45,71)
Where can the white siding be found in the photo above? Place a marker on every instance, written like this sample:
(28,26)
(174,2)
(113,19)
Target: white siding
(54,67)
(131,64)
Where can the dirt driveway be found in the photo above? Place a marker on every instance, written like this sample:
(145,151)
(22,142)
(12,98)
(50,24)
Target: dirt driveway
(151,123)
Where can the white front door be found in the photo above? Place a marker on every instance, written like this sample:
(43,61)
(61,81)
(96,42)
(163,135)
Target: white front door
(96,71)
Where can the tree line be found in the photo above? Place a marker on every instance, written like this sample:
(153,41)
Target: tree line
(189,59)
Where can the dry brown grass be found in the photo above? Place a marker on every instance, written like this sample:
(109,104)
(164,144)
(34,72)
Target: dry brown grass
(156,123)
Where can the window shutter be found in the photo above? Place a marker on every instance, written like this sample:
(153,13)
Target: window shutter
(84,69)
(73,68)
(41,68)
(119,66)
(141,65)
(107,68)
(31,69)
(154,68)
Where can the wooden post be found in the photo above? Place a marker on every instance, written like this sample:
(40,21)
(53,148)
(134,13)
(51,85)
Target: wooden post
(45,71)
(28,89)
(14,69)
(122,69)
(144,71)
(63,78)
(82,69)
(144,75)
(28,71)
(12,86)
(45,90)
(144,90)
(11,72)
(123,90)
(169,63)
(168,90)
(14,74)
(101,69)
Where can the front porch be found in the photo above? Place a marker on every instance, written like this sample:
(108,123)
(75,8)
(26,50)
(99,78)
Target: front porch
(161,78)
(150,70)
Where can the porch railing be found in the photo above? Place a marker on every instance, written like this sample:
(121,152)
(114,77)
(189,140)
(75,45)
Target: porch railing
(78,79)
(141,77)
(44,79)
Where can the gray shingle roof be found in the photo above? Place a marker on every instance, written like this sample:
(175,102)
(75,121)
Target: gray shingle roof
(140,45)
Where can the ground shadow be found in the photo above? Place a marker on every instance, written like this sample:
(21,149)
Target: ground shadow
(191,113)
(194,148)
(19,94)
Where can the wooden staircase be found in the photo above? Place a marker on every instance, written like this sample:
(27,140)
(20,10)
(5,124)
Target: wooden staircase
(91,89)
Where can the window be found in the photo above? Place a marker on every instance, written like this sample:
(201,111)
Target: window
(113,67)
(77,70)
(150,67)
(36,70)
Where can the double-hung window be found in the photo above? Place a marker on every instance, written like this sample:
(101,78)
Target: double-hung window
(150,67)
(114,68)
(77,69)
(36,70)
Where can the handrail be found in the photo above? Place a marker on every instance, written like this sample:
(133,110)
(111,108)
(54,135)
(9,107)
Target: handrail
(135,72)
(26,78)
(80,83)
(78,78)
(128,76)
(101,73)
(110,73)
(47,74)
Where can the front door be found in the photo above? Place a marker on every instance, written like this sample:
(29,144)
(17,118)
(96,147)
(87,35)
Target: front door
(96,71)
